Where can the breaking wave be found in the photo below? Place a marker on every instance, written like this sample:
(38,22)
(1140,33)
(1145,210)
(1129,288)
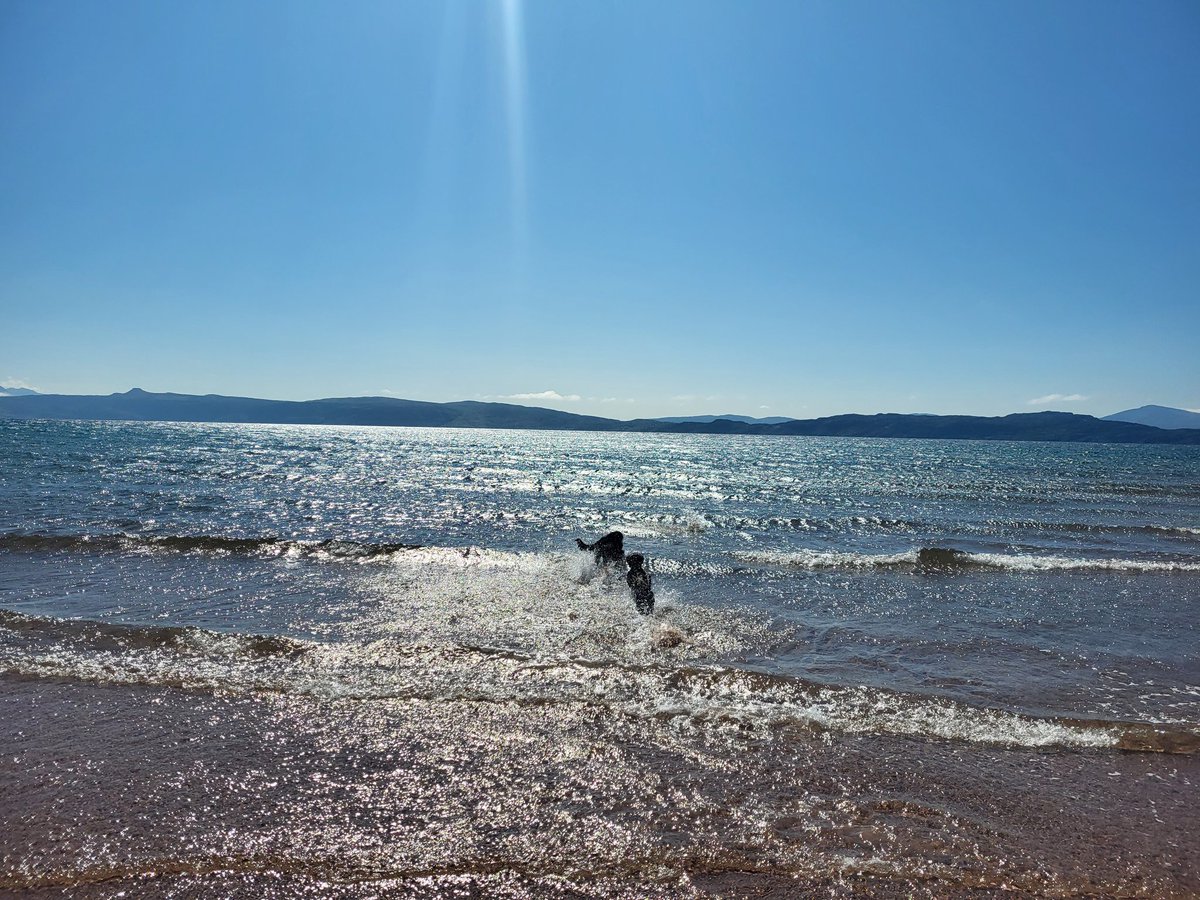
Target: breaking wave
(107,636)
(943,559)
(928,559)
(1003,526)
(211,544)
(677,694)
(694,522)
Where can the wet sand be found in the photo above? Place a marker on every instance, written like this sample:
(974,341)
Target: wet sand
(161,792)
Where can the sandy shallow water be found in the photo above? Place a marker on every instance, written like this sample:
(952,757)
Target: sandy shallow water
(160,792)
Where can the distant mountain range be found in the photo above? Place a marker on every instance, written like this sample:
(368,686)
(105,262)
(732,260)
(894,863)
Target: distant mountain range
(15,391)
(139,405)
(749,420)
(1158,417)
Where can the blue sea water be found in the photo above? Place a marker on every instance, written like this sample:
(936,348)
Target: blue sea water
(1074,593)
(983,596)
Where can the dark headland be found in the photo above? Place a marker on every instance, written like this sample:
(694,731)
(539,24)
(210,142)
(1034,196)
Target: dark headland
(143,406)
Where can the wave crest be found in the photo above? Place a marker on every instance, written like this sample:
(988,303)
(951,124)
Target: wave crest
(945,559)
(211,544)
(699,697)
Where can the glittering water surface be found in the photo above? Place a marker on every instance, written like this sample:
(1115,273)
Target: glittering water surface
(352,661)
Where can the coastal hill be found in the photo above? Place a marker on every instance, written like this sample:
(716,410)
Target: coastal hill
(749,420)
(143,406)
(1158,417)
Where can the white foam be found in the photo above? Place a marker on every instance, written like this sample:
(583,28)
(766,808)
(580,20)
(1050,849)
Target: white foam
(541,603)
(1042,563)
(832,559)
(1174,529)
(689,698)
(825,559)
(734,699)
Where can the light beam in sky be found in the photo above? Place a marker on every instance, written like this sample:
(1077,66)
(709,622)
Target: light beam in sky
(514,97)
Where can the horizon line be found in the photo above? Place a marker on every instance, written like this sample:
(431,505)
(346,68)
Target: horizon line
(502,402)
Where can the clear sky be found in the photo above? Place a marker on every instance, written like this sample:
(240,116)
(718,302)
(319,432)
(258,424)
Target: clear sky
(640,208)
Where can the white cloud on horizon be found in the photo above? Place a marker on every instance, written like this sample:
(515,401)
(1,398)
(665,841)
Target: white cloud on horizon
(13,382)
(543,395)
(1057,398)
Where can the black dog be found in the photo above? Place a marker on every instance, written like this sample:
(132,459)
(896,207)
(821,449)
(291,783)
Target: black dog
(639,583)
(609,550)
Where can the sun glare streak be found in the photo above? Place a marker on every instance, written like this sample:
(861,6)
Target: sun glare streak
(443,149)
(514,90)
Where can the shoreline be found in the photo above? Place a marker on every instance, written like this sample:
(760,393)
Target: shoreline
(162,791)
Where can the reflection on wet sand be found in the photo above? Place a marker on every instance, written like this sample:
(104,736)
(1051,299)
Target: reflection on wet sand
(165,792)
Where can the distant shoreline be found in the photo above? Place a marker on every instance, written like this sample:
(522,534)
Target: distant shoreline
(142,406)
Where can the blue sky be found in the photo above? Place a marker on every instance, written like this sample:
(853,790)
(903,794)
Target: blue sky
(636,208)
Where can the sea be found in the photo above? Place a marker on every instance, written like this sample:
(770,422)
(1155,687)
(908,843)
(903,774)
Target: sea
(309,661)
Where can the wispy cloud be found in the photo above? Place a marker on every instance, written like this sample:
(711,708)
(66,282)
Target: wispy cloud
(1057,398)
(14,382)
(543,395)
